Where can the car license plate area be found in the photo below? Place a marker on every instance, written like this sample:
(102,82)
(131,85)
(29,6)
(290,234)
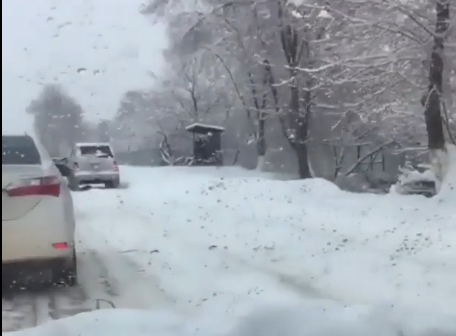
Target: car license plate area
(96,167)
(18,276)
(35,276)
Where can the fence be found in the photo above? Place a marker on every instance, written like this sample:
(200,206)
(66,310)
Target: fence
(142,157)
(366,159)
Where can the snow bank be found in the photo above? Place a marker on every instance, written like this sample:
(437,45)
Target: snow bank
(353,248)
(313,318)
(223,245)
(112,323)
(322,318)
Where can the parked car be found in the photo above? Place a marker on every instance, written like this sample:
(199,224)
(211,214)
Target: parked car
(93,163)
(417,180)
(38,221)
(63,167)
(424,187)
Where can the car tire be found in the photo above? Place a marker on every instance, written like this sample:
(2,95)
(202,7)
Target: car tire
(67,276)
(112,184)
(73,184)
(71,273)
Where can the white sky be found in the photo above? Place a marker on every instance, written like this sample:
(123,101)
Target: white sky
(47,41)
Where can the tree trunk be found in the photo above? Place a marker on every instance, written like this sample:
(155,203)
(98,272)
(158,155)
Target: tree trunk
(297,117)
(432,102)
(301,120)
(303,162)
(261,142)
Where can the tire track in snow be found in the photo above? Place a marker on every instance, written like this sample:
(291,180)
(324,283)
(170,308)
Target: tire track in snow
(302,286)
(95,278)
(17,312)
(123,283)
(31,307)
(27,308)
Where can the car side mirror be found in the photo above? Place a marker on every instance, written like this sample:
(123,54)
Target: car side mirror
(64,169)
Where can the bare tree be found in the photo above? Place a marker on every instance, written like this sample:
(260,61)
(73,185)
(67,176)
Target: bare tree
(313,63)
(104,130)
(195,86)
(134,123)
(249,77)
(58,119)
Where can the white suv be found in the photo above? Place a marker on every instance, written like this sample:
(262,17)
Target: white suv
(38,222)
(93,163)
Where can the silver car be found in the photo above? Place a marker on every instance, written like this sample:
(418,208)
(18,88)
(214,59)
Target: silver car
(93,163)
(38,222)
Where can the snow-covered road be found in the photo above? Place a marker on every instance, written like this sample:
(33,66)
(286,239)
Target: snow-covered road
(116,270)
(151,267)
(215,245)
(105,280)
(22,310)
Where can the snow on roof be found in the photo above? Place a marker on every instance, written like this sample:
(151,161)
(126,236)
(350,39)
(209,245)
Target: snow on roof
(198,127)
(92,144)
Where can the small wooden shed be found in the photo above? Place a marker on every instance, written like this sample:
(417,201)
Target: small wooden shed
(207,144)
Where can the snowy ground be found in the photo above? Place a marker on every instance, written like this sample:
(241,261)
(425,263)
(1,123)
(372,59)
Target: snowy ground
(189,251)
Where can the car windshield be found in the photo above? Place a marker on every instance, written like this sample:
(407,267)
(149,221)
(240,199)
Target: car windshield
(228,158)
(97,150)
(19,150)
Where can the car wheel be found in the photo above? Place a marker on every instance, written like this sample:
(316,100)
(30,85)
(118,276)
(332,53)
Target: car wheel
(67,276)
(71,274)
(73,184)
(112,184)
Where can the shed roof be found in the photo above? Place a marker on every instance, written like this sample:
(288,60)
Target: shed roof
(204,129)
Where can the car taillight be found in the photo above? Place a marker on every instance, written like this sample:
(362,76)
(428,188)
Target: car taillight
(43,186)
(116,166)
(61,246)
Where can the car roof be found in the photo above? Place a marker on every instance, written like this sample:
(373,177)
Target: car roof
(17,137)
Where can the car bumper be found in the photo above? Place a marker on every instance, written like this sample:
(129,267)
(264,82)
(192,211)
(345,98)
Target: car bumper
(36,265)
(96,177)
(32,237)
(37,254)
(32,271)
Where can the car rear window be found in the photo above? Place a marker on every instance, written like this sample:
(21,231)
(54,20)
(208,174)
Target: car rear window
(19,150)
(99,150)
